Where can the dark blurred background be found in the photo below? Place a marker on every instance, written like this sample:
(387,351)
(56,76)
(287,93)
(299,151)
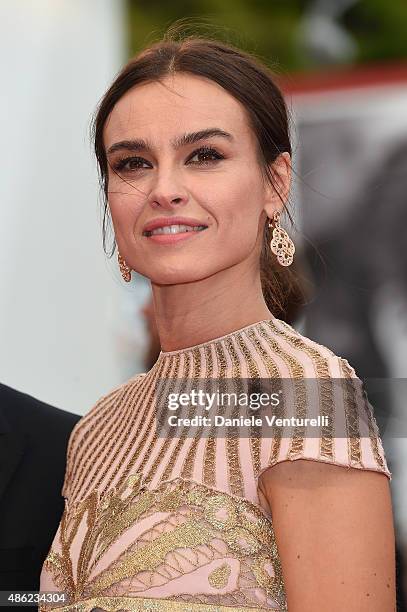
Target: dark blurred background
(301,35)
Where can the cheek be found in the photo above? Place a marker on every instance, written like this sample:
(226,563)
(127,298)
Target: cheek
(239,216)
(124,211)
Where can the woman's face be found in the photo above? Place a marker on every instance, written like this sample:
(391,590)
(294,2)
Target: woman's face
(162,166)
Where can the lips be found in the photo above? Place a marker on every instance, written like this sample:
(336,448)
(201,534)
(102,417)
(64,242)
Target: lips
(166,221)
(174,230)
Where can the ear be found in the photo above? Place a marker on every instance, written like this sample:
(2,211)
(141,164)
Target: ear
(277,194)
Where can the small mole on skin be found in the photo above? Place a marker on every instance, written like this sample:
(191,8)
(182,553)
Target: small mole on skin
(367,594)
(374,574)
(343,582)
(388,586)
(298,556)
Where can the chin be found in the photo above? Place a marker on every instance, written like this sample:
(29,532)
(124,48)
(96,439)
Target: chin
(176,277)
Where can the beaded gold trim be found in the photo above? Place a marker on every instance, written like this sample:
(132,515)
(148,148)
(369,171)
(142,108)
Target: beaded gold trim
(140,604)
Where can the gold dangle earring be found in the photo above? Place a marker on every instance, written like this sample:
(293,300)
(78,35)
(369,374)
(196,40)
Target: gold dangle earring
(125,270)
(281,244)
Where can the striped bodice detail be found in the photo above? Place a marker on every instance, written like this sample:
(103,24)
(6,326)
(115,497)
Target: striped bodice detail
(118,436)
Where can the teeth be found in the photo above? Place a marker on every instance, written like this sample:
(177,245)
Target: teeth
(175,229)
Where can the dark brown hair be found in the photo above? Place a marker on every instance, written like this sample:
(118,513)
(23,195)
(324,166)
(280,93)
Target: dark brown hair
(250,82)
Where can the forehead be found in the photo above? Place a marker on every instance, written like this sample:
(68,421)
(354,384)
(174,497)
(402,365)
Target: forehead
(179,103)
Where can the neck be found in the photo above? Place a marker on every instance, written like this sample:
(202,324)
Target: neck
(192,313)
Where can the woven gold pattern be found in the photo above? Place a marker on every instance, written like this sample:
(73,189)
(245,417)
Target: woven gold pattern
(208,523)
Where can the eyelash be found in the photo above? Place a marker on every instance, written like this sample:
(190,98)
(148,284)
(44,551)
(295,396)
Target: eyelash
(120,165)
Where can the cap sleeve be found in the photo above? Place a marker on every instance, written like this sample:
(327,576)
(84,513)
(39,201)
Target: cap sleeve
(349,435)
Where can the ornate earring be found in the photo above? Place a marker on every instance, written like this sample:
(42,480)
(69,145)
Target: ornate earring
(281,244)
(125,270)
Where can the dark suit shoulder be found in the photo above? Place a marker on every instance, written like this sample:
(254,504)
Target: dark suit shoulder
(34,438)
(23,412)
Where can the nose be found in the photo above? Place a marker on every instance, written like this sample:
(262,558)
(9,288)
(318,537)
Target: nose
(166,192)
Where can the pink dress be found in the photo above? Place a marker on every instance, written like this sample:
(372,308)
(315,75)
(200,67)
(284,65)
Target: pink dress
(175,523)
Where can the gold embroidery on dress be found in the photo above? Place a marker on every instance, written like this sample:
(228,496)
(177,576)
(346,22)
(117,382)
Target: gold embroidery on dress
(185,386)
(145,531)
(141,407)
(232,439)
(209,462)
(351,416)
(253,372)
(189,462)
(142,604)
(297,374)
(219,577)
(325,385)
(353,384)
(86,441)
(171,382)
(193,526)
(99,445)
(208,467)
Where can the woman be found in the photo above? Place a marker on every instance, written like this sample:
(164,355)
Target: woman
(195,133)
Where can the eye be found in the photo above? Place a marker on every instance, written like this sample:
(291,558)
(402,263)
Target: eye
(129,163)
(205,153)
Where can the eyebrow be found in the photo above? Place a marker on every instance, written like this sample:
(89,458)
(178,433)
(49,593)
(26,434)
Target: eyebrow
(186,139)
